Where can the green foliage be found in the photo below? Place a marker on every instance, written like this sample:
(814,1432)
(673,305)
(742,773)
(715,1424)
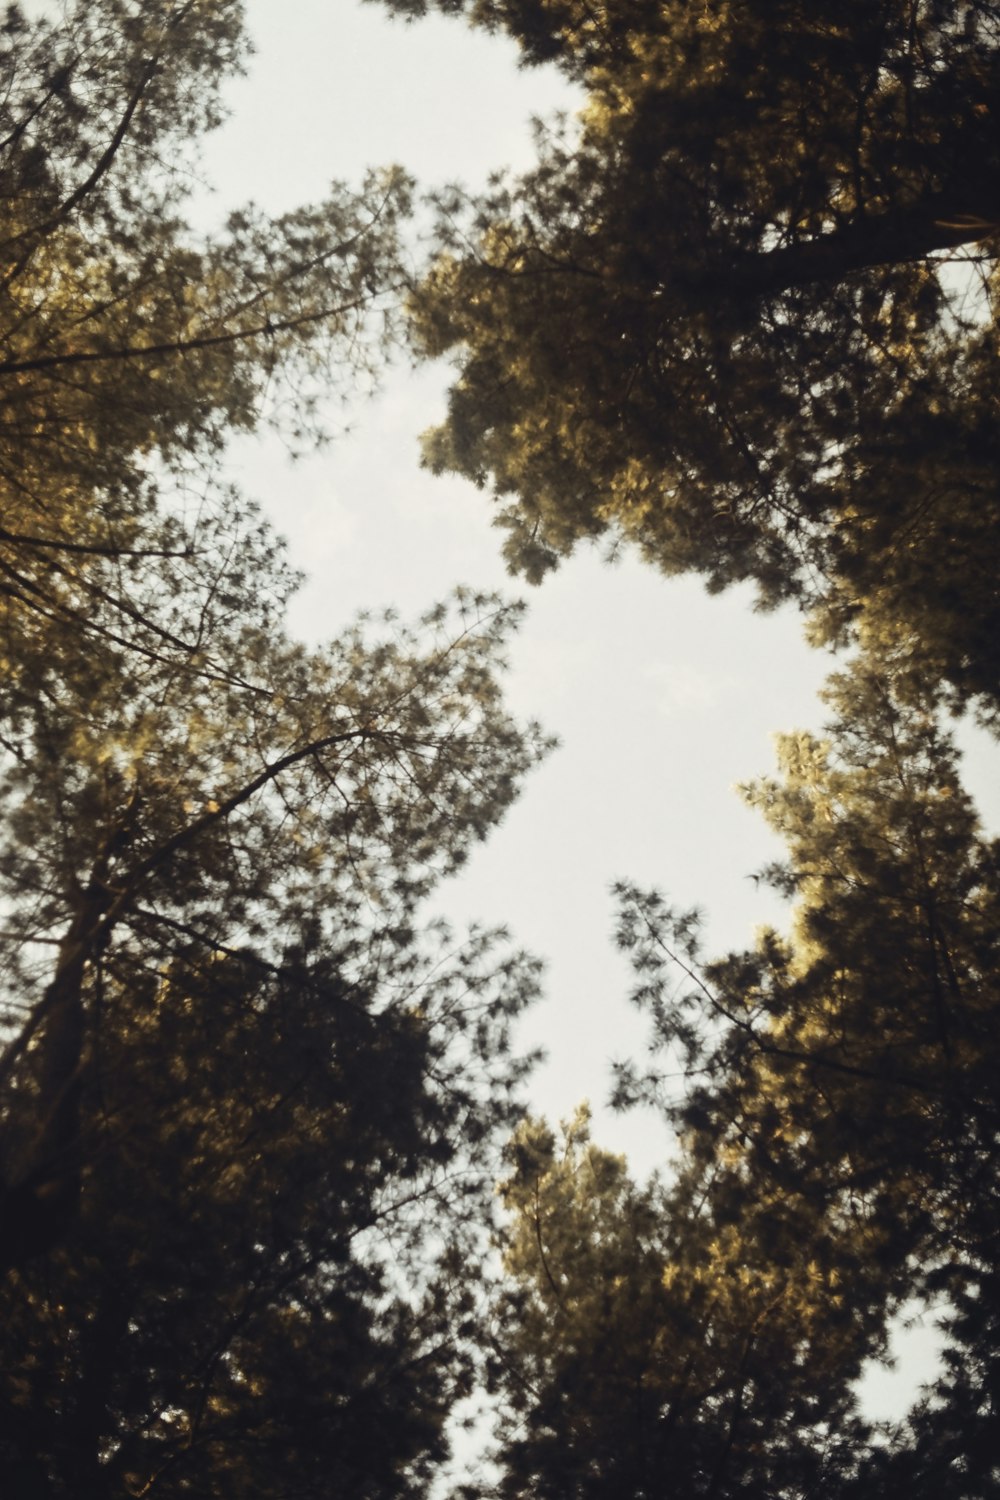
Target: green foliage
(645,1347)
(252,1301)
(721,320)
(741,316)
(856,1053)
(841,1082)
(250,1107)
(131,348)
(833,1098)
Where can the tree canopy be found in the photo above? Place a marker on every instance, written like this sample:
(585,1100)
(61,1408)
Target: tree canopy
(842,1082)
(742,316)
(253,1103)
(132,348)
(250,1103)
(833,1099)
(642,1349)
(250,1109)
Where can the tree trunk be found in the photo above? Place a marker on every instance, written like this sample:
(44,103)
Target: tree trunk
(39,1198)
(895,238)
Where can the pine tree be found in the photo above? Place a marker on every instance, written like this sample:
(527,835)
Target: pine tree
(250,1103)
(742,317)
(132,347)
(842,1097)
(249,1107)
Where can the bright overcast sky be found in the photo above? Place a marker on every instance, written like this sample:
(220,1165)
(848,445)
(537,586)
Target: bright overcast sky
(663,698)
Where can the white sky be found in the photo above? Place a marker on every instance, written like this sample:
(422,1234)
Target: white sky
(663,698)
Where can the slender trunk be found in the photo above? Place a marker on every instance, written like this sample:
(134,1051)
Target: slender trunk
(40,1195)
(85,1426)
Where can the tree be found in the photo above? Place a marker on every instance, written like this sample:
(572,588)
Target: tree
(841,1091)
(227,768)
(722,321)
(132,349)
(252,1301)
(646,1349)
(248,1106)
(249,1102)
(833,1099)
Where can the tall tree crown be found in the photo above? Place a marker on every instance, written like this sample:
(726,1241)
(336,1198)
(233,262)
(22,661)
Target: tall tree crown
(722,319)
(249,1101)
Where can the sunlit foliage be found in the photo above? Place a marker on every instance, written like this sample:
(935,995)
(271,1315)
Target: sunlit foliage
(741,314)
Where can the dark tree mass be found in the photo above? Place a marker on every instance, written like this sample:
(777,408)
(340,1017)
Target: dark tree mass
(271,1207)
